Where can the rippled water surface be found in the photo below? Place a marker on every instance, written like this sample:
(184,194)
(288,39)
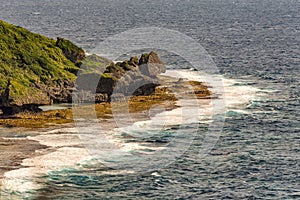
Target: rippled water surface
(254,43)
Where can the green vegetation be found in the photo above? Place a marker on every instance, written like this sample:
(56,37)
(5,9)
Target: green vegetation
(71,51)
(97,65)
(94,64)
(34,68)
(28,59)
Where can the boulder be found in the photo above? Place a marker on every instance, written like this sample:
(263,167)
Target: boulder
(146,89)
(151,65)
(106,85)
(135,83)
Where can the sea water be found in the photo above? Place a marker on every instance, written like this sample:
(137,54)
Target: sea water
(255,45)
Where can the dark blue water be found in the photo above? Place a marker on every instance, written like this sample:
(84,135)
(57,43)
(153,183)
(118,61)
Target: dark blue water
(257,155)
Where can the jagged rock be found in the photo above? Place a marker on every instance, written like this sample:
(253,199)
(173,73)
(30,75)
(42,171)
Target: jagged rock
(101,98)
(133,77)
(151,65)
(146,89)
(130,77)
(134,83)
(58,93)
(134,61)
(5,96)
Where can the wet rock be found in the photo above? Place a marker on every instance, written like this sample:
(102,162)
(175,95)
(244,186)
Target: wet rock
(15,109)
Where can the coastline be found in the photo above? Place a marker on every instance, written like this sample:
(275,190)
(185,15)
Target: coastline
(245,137)
(164,95)
(15,150)
(62,140)
(32,147)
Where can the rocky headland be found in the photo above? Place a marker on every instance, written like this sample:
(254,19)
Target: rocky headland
(36,70)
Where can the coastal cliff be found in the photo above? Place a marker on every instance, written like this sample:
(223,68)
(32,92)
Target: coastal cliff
(36,70)
(33,68)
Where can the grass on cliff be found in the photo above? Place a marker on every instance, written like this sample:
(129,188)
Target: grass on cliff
(27,58)
(94,64)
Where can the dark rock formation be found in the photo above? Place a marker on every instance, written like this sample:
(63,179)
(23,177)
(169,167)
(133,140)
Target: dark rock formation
(133,77)
(146,89)
(15,109)
(10,109)
(4,97)
(151,65)
(106,85)
(130,77)
(61,92)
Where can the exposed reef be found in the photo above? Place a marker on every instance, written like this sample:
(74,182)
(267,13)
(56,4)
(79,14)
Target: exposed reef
(36,70)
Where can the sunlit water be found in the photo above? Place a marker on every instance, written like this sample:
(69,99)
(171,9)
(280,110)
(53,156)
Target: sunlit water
(256,48)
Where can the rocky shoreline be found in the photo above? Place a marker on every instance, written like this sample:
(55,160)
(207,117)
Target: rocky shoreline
(14,151)
(136,76)
(36,70)
(163,95)
(95,83)
(62,73)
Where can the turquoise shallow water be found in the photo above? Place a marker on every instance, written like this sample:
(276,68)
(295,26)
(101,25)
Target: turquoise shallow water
(255,42)
(56,107)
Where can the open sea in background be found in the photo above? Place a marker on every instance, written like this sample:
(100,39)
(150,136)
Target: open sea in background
(256,47)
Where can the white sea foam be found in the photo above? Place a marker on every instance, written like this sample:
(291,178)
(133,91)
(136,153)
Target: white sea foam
(57,140)
(23,179)
(231,97)
(65,144)
(62,153)
(61,130)
(230,90)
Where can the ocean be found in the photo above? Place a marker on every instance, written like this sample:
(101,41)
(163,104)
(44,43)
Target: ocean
(243,145)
